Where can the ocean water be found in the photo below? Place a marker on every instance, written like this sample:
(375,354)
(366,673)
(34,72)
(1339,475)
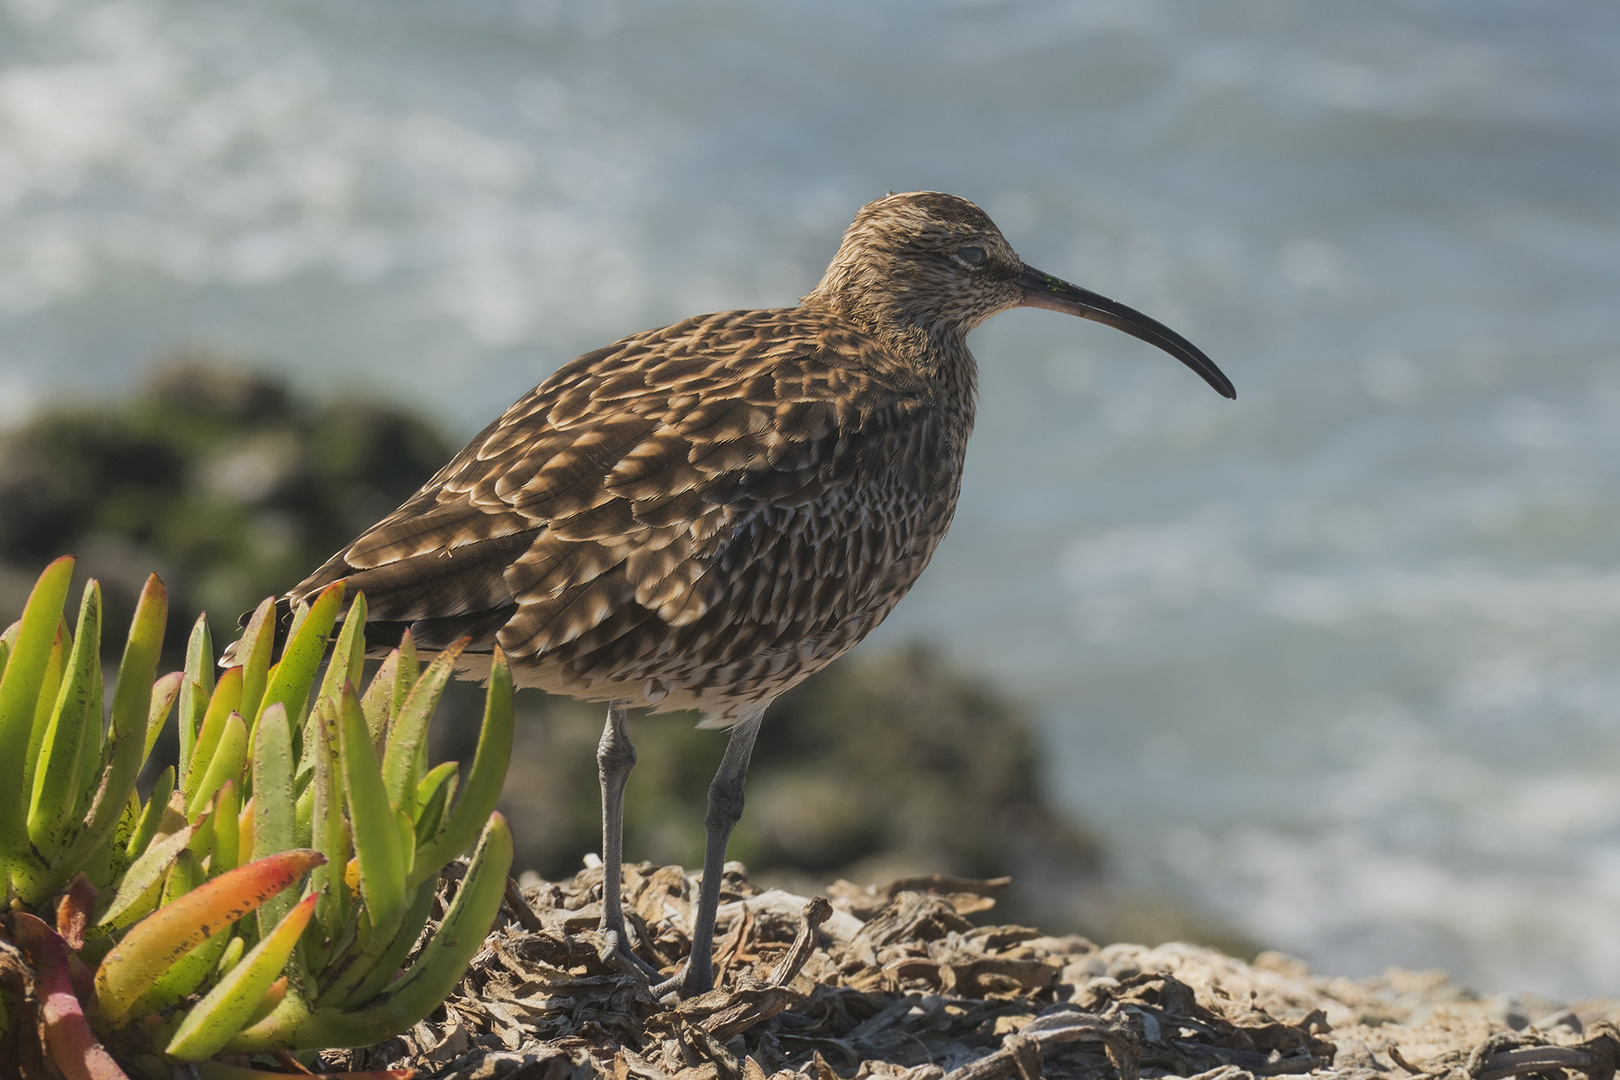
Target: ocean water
(1338,662)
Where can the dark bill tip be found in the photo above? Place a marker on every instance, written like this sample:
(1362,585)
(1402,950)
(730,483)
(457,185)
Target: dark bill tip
(1042,290)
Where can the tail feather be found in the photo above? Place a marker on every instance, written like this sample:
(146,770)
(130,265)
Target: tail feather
(441,596)
(431,635)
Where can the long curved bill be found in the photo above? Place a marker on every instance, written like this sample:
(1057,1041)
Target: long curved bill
(1042,290)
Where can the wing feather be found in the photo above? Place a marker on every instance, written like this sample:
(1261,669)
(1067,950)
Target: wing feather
(651,501)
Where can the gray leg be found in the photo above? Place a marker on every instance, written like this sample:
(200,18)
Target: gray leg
(725,807)
(615,757)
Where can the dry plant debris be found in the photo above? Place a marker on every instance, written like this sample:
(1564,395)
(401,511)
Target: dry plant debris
(898,984)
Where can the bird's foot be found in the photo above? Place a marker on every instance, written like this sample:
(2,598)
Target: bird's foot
(685,983)
(616,945)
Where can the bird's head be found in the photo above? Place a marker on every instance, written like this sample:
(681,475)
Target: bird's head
(930,260)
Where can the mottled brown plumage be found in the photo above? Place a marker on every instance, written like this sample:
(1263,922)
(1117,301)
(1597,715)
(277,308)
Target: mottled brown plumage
(703,515)
(695,517)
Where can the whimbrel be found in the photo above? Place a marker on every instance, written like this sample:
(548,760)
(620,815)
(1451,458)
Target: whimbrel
(703,515)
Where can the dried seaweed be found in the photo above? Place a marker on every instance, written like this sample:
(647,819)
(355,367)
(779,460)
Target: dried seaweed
(892,983)
(897,984)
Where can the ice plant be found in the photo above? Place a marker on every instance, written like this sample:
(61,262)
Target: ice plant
(268,892)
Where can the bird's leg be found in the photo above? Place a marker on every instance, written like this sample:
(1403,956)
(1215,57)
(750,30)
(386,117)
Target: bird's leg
(615,757)
(725,807)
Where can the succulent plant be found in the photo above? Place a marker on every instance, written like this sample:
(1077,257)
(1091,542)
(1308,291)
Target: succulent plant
(268,893)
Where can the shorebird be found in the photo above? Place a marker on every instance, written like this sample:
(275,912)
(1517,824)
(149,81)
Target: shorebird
(702,516)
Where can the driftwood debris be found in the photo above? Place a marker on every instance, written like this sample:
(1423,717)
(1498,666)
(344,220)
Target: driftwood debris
(898,984)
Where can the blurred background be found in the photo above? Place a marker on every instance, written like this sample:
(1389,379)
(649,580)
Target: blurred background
(1334,668)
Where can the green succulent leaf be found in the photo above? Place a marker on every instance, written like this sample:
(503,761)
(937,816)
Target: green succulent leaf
(126,751)
(445,957)
(186,874)
(132,694)
(483,788)
(153,944)
(164,693)
(228,757)
(301,658)
(227,831)
(303,809)
(407,735)
(347,663)
(376,833)
(370,971)
(93,748)
(19,696)
(195,690)
(273,798)
(378,702)
(44,709)
(433,795)
(231,956)
(231,1004)
(56,791)
(254,650)
(152,816)
(185,975)
(327,834)
(267,1004)
(131,713)
(349,775)
(138,893)
(420,990)
(187,972)
(409,670)
(107,862)
(406,829)
(226,699)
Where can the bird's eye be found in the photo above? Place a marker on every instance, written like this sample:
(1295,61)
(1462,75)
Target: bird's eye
(972,255)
